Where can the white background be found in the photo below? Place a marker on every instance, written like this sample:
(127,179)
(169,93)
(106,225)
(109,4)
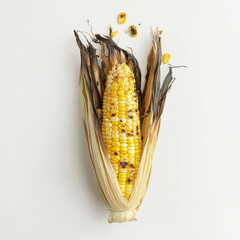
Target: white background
(47,187)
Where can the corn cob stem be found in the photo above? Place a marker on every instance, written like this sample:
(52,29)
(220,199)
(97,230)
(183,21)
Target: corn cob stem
(123,216)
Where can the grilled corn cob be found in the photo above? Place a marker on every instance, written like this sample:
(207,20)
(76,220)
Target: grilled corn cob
(121,125)
(121,146)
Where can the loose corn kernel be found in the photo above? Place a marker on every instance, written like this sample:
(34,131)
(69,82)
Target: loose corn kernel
(113,34)
(133,31)
(166,58)
(122,18)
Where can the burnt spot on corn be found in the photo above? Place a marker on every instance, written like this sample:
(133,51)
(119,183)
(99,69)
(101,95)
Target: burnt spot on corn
(123,130)
(123,164)
(131,166)
(122,18)
(116,153)
(129,116)
(114,114)
(129,180)
(129,111)
(130,134)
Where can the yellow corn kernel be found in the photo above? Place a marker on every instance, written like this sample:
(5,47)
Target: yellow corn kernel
(166,58)
(122,18)
(113,34)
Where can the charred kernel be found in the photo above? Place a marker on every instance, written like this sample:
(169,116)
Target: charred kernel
(129,180)
(133,31)
(129,116)
(115,153)
(131,166)
(129,111)
(122,18)
(130,134)
(114,114)
(123,130)
(123,164)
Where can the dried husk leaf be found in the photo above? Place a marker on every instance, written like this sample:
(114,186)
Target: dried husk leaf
(151,106)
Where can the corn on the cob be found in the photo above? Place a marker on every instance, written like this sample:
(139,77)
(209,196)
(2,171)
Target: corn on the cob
(112,104)
(121,125)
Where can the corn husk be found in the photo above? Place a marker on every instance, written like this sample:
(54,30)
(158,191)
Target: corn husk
(93,72)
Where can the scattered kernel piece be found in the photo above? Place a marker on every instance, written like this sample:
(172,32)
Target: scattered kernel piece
(122,18)
(166,58)
(113,34)
(133,31)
